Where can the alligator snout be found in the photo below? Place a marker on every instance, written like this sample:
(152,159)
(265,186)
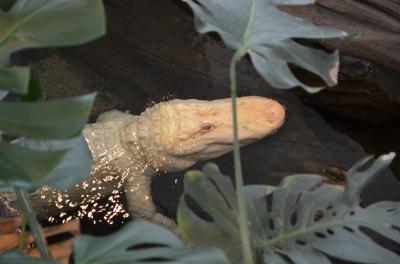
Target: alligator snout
(259,117)
(275,114)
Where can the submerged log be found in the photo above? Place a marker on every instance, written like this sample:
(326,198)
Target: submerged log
(365,92)
(376,24)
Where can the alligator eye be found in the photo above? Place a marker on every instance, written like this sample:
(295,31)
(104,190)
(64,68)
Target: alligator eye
(206,127)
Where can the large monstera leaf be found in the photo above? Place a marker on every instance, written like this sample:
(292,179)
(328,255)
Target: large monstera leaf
(49,23)
(22,167)
(56,119)
(302,221)
(30,164)
(260,29)
(74,166)
(141,242)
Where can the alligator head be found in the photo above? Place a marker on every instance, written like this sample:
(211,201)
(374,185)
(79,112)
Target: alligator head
(179,133)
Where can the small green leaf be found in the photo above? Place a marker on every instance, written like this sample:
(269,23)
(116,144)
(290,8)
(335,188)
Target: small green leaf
(50,119)
(4,187)
(259,28)
(35,90)
(3,94)
(357,179)
(14,79)
(72,168)
(22,168)
(49,23)
(304,219)
(131,245)
(15,257)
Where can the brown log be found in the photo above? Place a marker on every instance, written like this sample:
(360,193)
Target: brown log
(377,22)
(60,251)
(9,225)
(9,238)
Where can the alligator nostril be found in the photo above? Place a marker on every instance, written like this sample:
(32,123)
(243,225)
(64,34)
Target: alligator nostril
(275,114)
(271,116)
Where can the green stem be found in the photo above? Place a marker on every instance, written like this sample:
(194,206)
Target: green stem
(243,223)
(22,235)
(34,225)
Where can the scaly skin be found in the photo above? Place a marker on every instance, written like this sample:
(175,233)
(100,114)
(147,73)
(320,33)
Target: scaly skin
(171,136)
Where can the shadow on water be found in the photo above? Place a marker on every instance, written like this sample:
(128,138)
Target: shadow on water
(152,51)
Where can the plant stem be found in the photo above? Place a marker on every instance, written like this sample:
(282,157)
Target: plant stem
(22,235)
(243,223)
(34,225)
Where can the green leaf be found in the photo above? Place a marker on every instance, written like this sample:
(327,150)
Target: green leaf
(260,29)
(51,119)
(16,257)
(303,220)
(74,166)
(35,90)
(357,179)
(5,188)
(14,79)
(131,244)
(49,23)
(22,168)
(215,195)
(3,94)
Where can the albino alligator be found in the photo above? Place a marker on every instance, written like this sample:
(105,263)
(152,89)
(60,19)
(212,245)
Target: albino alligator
(171,136)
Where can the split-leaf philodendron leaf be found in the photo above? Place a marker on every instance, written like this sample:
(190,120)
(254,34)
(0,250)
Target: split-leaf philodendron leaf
(260,29)
(14,79)
(74,166)
(3,94)
(141,242)
(49,23)
(22,168)
(303,220)
(35,89)
(56,119)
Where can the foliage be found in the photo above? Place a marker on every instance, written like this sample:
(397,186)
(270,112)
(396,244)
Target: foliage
(36,24)
(303,220)
(42,23)
(74,166)
(53,151)
(258,28)
(20,166)
(55,119)
(14,79)
(140,242)
(49,23)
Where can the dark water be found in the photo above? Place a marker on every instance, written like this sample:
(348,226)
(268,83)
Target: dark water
(152,51)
